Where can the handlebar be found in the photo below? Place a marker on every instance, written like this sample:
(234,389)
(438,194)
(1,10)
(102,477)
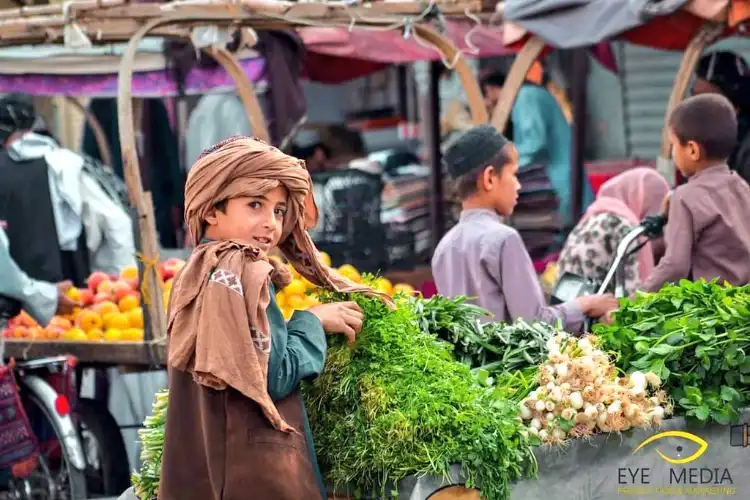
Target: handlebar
(9,308)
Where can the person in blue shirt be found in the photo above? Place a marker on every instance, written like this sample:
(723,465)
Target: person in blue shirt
(542,135)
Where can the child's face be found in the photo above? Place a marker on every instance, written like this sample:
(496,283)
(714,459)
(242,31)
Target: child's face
(256,219)
(503,186)
(686,156)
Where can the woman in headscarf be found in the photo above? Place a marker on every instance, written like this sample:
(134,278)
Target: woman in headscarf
(620,205)
(724,72)
(236,423)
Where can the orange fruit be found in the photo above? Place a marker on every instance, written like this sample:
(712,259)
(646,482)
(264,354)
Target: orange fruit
(280,299)
(135,318)
(75,334)
(133,334)
(61,322)
(296,287)
(295,302)
(118,321)
(95,335)
(74,294)
(404,288)
(130,272)
(287,312)
(106,307)
(112,335)
(128,303)
(88,320)
(24,319)
(383,285)
(308,284)
(349,271)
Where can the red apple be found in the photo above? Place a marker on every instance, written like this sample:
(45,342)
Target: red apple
(106,286)
(87,297)
(96,279)
(102,297)
(7,333)
(170,267)
(133,282)
(121,288)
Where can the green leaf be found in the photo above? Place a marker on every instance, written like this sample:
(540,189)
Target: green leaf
(641,347)
(730,394)
(664,349)
(693,394)
(702,412)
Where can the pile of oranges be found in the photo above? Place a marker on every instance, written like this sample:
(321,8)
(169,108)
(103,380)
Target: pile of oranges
(300,294)
(111,312)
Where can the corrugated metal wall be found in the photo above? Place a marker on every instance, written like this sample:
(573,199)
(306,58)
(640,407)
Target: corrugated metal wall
(647,76)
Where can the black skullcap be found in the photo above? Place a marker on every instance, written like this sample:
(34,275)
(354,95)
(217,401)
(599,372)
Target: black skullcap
(16,113)
(726,70)
(474,149)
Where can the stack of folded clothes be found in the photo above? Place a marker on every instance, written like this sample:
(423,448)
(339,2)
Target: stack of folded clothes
(535,216)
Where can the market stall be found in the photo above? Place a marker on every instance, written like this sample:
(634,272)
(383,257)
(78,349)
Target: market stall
(112,21)
(683,26)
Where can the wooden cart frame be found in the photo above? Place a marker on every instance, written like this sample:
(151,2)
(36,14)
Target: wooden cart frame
(108,21)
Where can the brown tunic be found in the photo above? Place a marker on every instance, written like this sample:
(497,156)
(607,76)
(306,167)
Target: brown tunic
(220,446)
(708,233)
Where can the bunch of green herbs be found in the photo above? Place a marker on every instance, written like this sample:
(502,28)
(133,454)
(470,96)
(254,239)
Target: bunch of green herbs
(498,348)
(396,404)
(146,480)
(696,337)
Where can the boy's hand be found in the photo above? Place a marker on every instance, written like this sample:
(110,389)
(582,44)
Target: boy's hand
(596,306)
(65,304)
(340,317)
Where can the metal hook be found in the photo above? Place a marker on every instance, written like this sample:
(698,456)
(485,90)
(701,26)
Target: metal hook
(473,49)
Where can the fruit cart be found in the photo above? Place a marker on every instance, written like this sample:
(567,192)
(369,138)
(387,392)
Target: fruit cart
(115,21)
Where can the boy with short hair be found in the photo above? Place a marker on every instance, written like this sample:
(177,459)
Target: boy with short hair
(483,258)
(708,233)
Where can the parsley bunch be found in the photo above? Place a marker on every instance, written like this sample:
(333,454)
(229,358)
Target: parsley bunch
(696,337)
(396,404)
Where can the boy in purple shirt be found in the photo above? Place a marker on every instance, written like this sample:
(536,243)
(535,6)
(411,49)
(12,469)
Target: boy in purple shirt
(483,258)
(708,233)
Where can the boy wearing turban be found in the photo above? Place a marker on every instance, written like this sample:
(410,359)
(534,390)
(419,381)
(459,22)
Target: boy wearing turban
(236,423)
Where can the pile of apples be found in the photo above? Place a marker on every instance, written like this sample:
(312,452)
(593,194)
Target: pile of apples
(110,310)
(300,294)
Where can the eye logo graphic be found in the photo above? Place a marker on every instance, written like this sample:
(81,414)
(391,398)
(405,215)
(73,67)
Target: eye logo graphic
(703,446)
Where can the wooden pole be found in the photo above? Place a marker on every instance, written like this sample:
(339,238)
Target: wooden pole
(579,86)
(516,77)
(437,217)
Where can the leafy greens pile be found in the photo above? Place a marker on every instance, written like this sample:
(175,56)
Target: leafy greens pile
(396,403)
(506,355)
(696,337)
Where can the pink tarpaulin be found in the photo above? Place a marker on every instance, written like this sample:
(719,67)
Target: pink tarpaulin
(336,55)
(145,84)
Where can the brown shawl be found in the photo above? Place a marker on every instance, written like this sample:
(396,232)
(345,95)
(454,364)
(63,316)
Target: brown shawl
(220,342)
